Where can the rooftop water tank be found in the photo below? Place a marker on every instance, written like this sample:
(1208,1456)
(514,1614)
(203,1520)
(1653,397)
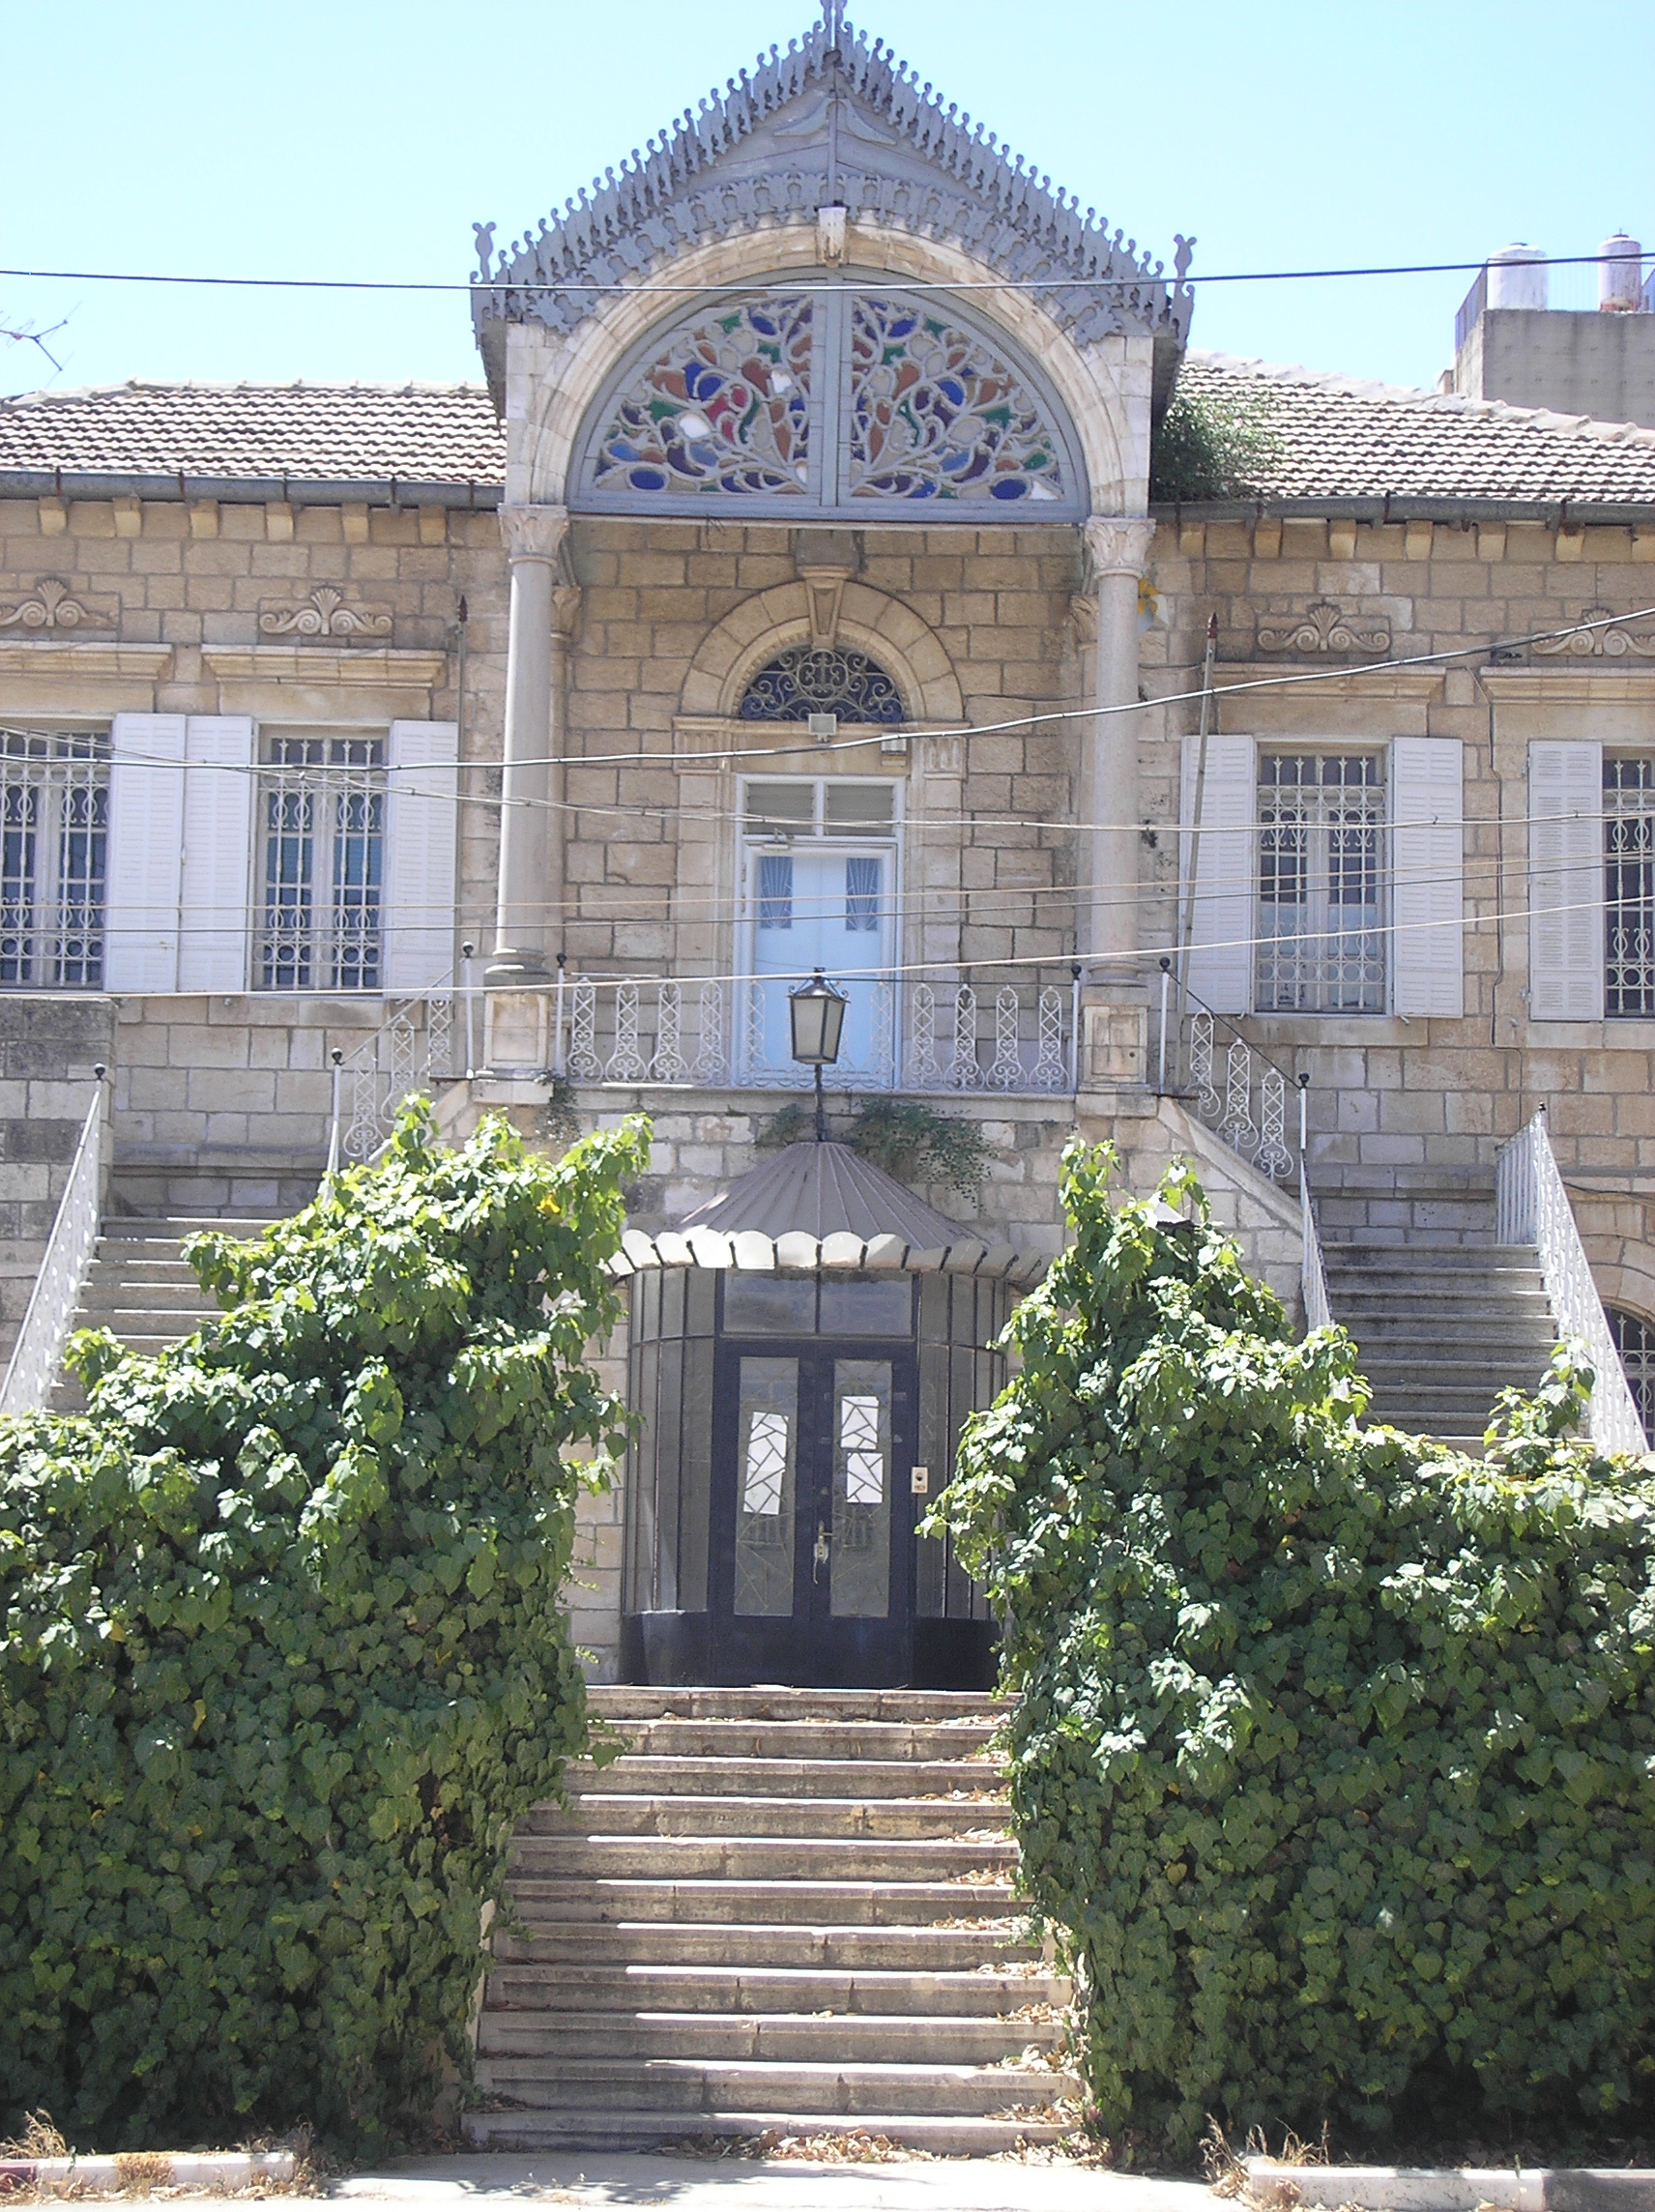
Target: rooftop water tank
(1620,276)
(1516,277)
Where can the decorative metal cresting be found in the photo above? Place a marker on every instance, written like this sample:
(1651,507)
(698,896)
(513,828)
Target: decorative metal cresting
(38,1349)
(413,1049)
(1234,1088)
(1015,1038)
(1531,1206)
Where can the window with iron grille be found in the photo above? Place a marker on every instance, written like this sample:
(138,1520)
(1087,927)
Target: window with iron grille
(1322,861)
(54,816)
(321,861)
(1629,886)
(1635,1341)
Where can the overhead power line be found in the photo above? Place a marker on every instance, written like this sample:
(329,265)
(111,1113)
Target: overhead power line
(895,285)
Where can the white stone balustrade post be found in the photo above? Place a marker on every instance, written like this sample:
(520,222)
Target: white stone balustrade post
(1112,851)
(528,895)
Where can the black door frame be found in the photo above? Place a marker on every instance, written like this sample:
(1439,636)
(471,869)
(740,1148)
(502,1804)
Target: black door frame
(811,1647)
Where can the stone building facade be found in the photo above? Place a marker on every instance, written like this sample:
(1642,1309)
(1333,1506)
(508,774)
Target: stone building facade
(792,595)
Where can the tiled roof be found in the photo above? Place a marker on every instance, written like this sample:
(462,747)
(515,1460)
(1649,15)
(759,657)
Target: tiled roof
(1340,439)
(270,440)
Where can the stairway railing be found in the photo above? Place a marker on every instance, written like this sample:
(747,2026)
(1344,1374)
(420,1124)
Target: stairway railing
(1203,1059)
(1531,1206)
(413,1049)
(1313,1271)
(38,1353)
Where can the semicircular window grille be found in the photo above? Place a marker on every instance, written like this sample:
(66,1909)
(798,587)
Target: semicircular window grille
(821,679)
(1635,1341)
(840,400)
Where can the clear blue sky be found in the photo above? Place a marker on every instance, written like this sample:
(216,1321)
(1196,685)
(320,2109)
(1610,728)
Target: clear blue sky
(362,138)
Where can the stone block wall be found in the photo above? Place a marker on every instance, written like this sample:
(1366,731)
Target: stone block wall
(49,1049)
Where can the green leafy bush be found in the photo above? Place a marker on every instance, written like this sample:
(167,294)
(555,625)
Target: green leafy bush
(1334,1763)
(1210,445)
(904,1136)
(280,1654)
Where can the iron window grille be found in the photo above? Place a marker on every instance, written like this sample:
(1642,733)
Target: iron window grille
(320,919)
(1629,886)
(54,834)
(1635,1341)
(1322,872)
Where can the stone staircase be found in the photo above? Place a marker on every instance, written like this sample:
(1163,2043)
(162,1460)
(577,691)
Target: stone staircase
(778,1909)
(139,1286)
(1442,1331)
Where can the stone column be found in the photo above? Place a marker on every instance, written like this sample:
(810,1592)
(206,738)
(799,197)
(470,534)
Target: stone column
(534,539)
(1113,851)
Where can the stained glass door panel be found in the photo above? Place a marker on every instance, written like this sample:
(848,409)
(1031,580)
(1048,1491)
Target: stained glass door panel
(860,1430)
(766,1439)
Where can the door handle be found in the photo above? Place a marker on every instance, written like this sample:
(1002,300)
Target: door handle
(818,1553)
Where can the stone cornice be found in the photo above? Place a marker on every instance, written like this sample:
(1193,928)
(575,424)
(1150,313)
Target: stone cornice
(97,662)
(358,668)
(1317,684)
(1601,683)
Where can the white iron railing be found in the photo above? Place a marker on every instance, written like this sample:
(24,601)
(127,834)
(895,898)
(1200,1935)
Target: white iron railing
(37,1352)
(1531,1206)
(1313,1275)
(1235,1089)
(1013,1038)
(413,1049)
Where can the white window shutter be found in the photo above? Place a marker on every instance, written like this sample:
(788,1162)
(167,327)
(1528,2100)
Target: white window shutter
(218,856)
(146,838)
(1565,882)
(1428,871)
(421,835)
(1222,924)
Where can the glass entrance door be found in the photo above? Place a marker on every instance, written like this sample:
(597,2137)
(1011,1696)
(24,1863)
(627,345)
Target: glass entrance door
(812,1570)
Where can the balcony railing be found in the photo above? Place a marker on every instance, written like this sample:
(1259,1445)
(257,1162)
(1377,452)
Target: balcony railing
(999,1036)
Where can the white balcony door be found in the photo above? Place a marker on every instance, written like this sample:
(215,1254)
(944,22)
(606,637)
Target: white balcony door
(828,906)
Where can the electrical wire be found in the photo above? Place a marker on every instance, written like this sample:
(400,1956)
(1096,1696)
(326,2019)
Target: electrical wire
(772,286)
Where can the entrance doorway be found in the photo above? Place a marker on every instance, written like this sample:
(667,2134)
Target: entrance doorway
(813,1453)
(793,1431)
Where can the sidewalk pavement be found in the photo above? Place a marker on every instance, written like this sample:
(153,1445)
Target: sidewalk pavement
(492,2181)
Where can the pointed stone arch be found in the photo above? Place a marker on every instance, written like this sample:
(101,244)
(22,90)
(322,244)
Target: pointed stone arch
(753,633)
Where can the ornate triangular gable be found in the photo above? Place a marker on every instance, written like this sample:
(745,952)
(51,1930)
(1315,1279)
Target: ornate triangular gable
(757,157)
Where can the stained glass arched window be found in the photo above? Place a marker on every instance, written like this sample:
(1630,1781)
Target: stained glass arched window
(723,405)
(821,679)
(1635,1341)
(843,399)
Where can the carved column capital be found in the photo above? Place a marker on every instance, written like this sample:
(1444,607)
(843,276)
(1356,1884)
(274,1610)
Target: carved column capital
(533,532)
(1119,544)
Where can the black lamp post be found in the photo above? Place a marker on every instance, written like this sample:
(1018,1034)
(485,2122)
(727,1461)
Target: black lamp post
(817,1012)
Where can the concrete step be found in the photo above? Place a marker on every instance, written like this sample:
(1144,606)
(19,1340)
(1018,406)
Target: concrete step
(961,2136)
(655,1815)
(812,1739)
(784,2039)
(539,1860)
(624,1700)
(992,1947)
(1435,1259)
(730,1988)
(951,1781)
(688,2085)
(872,1904)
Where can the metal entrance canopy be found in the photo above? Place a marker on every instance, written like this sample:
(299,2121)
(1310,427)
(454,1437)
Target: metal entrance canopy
(822,1206)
